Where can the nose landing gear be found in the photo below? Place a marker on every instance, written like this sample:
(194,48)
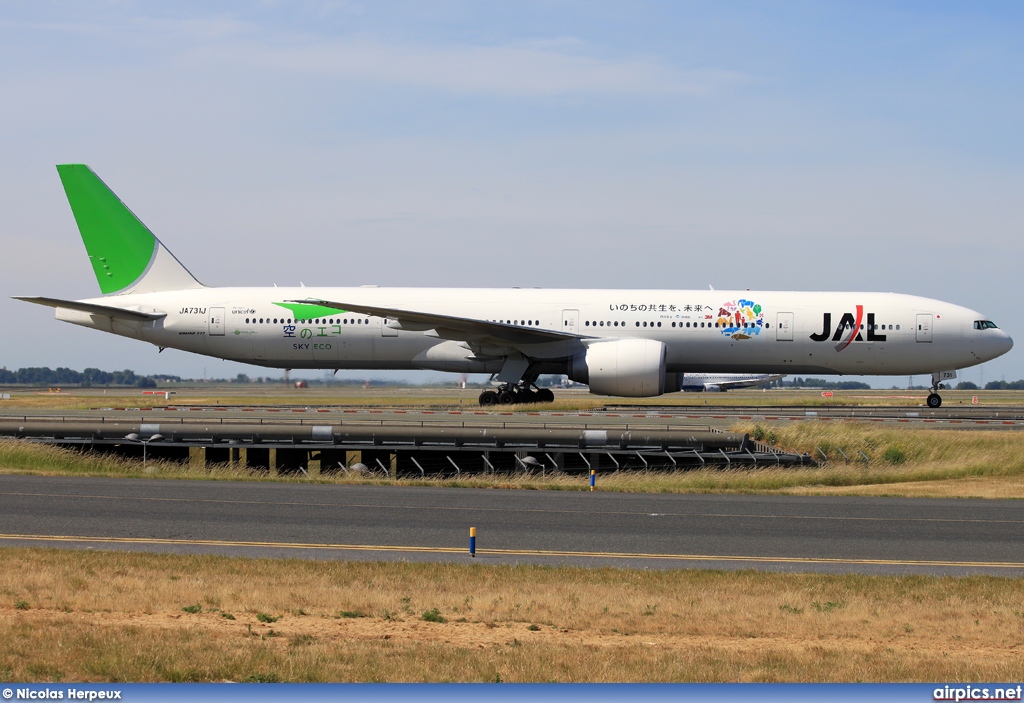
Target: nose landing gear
(934,399)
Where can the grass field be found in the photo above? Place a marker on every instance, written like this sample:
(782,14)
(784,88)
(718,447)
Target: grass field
(108,616)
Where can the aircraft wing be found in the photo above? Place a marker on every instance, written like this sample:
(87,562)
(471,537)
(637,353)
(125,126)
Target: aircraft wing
(748,381)
(92,308)
(464,328)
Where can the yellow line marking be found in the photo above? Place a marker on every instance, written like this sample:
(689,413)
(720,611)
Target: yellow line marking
(509,552)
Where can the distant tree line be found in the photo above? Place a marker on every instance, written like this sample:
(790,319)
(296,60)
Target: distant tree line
(45,376)
(1005,385)
(992,386)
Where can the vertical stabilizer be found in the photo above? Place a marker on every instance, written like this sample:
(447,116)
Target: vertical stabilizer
(126,257)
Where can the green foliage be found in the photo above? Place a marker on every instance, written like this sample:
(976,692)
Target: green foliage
(828,606)
(21,605)
(263,617)
(894,455)
(433,615)
(350,614)
(193,608)
(533,628)
(762,434)
(227,616)
(787,608)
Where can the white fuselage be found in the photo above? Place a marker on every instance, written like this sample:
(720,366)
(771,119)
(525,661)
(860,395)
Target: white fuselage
(703,330)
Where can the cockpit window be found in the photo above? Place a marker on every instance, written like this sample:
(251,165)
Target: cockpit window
(985,325)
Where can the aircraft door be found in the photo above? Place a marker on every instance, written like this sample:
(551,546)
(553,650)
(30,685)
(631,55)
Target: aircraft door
(216,318)
(924,328)
(571,321)
(386,331)
(784,327)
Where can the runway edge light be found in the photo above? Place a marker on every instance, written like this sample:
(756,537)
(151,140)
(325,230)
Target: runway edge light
(472,542)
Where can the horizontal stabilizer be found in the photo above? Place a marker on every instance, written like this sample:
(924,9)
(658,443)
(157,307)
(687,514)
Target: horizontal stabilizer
(467,327)
(92,308)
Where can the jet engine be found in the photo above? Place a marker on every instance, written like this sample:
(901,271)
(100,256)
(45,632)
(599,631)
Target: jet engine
(633,368)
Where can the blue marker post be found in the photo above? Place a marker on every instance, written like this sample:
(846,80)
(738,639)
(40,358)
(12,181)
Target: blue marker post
(593,475)
(472,542)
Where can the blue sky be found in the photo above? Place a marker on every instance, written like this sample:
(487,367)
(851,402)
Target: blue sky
(788,145)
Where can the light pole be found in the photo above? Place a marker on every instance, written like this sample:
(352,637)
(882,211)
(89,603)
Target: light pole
(134,437)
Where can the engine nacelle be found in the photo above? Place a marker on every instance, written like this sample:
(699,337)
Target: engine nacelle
(633,368)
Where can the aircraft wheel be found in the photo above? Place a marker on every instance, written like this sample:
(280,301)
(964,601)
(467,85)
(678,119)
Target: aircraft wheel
(525,395)
(488,398)
(934,400)
(545,395)
(506,398)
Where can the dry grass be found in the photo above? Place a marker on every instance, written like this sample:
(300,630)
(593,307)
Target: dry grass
(108,616)
(903,460)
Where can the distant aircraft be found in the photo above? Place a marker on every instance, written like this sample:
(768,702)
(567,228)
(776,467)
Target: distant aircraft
(721,382)
(630,343)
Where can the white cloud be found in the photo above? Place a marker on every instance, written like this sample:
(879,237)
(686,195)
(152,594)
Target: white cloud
(511,71)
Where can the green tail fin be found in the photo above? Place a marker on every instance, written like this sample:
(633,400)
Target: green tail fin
(125,255)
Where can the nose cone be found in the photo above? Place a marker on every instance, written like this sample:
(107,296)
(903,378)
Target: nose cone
(994,343)
(1004,344)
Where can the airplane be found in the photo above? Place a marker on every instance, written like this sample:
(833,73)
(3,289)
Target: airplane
(626,343)
(721,382)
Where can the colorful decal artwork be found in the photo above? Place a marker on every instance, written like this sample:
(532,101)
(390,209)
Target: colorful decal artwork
(740,319)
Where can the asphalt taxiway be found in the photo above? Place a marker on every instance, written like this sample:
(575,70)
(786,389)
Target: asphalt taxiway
(822,534)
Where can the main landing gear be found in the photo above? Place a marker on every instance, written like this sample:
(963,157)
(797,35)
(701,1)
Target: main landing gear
(513,394)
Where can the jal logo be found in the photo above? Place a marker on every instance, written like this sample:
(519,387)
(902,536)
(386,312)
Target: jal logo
(848,330)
